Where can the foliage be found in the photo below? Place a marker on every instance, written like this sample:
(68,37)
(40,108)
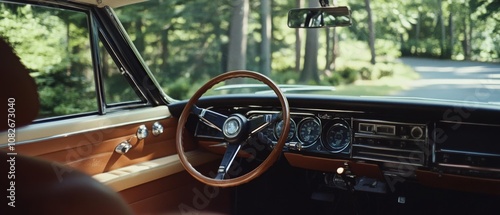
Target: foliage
(179,88)
(184,43)
(197,44)
(20,25)
(285,77)
(345,75)
(54,45)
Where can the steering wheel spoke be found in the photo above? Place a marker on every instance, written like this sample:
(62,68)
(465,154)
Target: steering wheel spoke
(231,152)
(259,123)
(210,118)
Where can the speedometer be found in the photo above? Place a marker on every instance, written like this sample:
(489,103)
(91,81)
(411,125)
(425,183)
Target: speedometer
(338,136)
(309,131)
(278,128)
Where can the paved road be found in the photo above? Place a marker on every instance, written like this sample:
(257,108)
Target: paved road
(454,80)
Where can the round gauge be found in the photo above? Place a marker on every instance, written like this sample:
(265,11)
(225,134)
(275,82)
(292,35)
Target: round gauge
(309,130)
(338,136)
(278,128)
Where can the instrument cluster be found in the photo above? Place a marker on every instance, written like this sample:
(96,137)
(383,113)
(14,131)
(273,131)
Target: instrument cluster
(342,135)
(312,133)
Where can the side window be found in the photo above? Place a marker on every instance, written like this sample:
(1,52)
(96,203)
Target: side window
(117,90)
(54,44)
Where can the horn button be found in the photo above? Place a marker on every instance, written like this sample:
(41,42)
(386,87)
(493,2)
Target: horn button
(235,128)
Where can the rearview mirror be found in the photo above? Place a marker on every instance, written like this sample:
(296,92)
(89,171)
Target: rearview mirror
(323,17)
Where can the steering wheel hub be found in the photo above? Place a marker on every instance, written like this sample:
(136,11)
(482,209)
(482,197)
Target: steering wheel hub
(232,127)
(235,128)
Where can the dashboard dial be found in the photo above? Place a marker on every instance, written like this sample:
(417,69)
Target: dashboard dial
(309,131)
(338,136)
(278,128)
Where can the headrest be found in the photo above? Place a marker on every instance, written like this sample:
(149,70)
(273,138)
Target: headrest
(18,94)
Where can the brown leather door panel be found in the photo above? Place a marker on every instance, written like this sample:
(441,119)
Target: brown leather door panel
(93,152)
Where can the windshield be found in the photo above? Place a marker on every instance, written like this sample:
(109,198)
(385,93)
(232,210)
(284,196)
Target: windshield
(415,49)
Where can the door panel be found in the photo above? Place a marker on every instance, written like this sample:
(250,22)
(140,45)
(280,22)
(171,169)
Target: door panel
(77,125)
(93,151)
(149,176)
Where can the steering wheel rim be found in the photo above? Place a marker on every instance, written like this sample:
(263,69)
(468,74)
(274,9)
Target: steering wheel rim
(271,158)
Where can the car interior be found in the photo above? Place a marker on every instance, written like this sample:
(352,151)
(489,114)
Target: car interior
(252,153)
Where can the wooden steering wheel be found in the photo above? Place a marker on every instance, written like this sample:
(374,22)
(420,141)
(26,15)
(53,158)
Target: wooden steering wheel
(235,128)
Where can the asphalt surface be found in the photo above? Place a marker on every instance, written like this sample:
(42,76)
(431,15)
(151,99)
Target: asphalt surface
(454,80)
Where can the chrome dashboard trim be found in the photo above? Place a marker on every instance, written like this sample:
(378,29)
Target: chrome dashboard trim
(469,167)
(330,110)
(387,161)
(387,149)
(252,112)
(206,136)
(387,122)
(468,153)
(387,155)
(469,123)
(386,137)
(304,109)
(433,144)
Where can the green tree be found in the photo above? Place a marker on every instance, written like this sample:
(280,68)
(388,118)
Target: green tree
(298,42)
(238,35)
(371,31)
(310,69)
(54,45)
(266,31)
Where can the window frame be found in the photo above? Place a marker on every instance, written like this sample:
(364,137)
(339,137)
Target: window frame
(99,22)
(132,58)
(105,41)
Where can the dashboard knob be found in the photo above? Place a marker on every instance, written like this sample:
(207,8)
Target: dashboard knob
(142,132)
(417,132)
(340,170)
(157,129)
(294,146)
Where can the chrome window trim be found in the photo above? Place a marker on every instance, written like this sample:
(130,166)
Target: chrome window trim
(117,23)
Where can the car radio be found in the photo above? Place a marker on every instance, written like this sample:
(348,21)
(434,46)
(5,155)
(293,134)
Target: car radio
(393,142)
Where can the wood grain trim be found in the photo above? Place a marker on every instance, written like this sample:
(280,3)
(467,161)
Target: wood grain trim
(458,182)
(314,163)
(331,165)
(89,142)
(144,172)
(93,152)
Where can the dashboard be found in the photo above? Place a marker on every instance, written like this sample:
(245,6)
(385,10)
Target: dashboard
(433,143)
(338,134)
